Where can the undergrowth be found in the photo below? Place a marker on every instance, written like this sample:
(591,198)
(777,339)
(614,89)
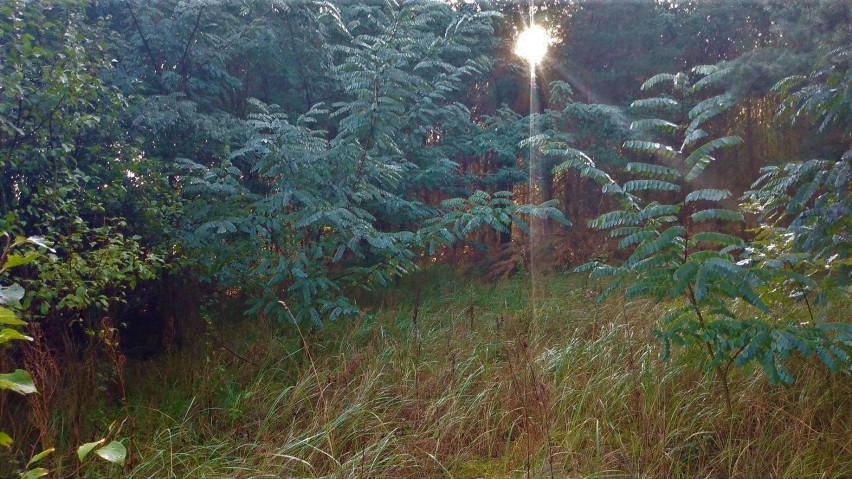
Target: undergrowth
(464,380)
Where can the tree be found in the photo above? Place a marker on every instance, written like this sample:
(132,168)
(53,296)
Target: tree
(805,207)
(309,213)
(675,256)
(67,170)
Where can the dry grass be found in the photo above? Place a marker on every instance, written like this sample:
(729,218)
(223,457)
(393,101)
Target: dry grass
(487,385)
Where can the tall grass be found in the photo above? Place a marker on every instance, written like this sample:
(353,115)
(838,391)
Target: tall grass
(480,388)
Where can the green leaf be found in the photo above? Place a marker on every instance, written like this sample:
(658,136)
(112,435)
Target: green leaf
(603,271)
(35,473)
(718,238)
(9,334)
(19,381)
(826,358)
(17,260)
(7,316)
(657,79)
(636,238)
(40,456)
(705,255)
(648,169)
(114,452)
(788,83)
(800,278)
(704,69)
(725,265)
(653,148)
(655,210)
(655,103)
(11,294)
(710,147)
(578,157)
(719,101)
(653,185)
(701,284)
(663,241)
(699,167)
(612,189)
(682,276)
(624,231)
(803,195)
(716,214)
(710,78)
(5,440)
(654,124)
(707,195)
(85,449)
(614,218)
(655,265)
(693,136)
(838,327)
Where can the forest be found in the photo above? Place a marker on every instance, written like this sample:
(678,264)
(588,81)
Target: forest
(425,239)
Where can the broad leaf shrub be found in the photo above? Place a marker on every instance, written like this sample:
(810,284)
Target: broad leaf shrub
(70,173)
(11,256)
(18,251)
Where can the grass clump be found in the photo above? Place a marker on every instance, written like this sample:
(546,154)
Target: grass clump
(469,380)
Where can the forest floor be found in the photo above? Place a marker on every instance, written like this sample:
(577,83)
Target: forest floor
(467,380)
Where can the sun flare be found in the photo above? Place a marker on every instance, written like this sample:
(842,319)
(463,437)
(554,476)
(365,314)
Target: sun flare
(532,44)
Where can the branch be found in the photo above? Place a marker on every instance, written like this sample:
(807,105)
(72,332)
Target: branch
(183,67)
(144,40)
(369,140)
(734,357)
(228,348)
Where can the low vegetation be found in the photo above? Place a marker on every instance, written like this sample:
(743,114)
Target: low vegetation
(466,379)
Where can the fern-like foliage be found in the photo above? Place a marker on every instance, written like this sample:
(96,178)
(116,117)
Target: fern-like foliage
(805,207)
(823,95)
(813,202)
(805,214)
(679,237)
(312,207)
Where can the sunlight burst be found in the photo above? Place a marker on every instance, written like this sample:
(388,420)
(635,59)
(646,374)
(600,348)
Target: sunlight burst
(532,44)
